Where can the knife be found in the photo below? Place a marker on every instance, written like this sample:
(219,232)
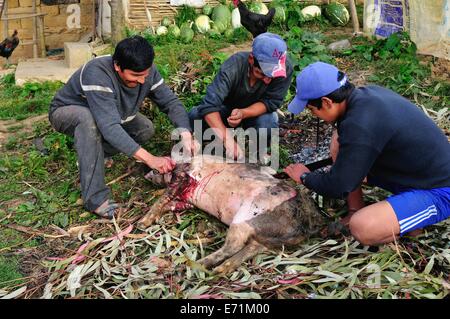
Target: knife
(311,166)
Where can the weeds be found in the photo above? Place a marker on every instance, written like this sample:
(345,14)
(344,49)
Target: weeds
(185,14)
(306,47)
(21,102)
(399,68)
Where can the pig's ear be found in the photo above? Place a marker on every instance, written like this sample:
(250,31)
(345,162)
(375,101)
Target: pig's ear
(267,170)
(155,178)
(167,178)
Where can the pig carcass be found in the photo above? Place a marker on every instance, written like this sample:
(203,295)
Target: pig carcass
(262,212)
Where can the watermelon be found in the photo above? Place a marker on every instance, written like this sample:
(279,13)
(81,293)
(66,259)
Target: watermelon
(337,13)
(207,9)
(258,7)
(310,12)
(173,30)
(186,33)
(165,21)
(221,17)
(280,14)
(149,31)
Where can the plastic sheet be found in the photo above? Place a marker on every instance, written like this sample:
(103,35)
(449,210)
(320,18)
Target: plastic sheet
(428,22)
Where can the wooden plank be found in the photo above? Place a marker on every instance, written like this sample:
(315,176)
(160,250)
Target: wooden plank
(1,6)
(22,16)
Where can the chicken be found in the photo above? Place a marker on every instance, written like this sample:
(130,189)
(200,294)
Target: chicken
(254,22)
(8,45)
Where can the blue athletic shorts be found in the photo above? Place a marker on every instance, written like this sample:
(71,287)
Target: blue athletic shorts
(417,208)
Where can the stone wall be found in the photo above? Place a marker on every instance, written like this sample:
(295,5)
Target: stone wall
(57,30)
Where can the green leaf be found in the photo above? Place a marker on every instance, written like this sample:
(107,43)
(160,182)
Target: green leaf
(329,276)
(429,266)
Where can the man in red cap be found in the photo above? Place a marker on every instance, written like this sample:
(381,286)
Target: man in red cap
(247,91)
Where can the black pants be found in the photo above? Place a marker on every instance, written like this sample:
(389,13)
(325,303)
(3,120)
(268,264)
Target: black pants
(78,122)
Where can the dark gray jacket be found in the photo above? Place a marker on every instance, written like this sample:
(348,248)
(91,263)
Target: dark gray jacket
(97,86)
(231,87)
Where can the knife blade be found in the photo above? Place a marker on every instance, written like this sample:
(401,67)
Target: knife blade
(311,166)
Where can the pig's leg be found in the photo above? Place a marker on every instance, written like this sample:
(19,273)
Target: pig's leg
(159,208)
(237,237)
(250,250)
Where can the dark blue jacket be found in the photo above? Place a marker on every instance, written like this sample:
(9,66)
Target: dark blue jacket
(384,135)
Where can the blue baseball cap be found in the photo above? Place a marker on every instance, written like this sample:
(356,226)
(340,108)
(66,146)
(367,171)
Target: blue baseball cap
(316,80)
(270,50)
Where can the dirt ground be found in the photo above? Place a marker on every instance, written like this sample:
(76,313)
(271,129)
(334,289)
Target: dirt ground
(246,46)
(441,69)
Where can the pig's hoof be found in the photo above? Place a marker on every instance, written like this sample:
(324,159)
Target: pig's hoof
(206,262)
(142,226)
(224,268)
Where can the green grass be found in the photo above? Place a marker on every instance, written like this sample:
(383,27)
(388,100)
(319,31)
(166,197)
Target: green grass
(9,274)
(396,66)
(22,102)
(10,240)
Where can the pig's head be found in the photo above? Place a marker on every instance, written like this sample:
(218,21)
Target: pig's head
(178,182)
(164,180)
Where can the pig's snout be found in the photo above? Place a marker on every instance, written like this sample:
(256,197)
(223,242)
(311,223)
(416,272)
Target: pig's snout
(143,223)
(157,178)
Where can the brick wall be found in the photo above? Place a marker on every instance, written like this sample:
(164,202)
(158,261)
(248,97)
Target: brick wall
(56,30)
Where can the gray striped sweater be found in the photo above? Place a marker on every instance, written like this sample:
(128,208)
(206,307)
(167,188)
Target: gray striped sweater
(97,85)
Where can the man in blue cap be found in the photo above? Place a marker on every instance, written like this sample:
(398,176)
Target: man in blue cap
(247,91)
(383,139)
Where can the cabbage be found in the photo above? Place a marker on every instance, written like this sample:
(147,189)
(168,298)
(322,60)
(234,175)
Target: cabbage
(202,23)
(173,30)
(235,18)
(161,30)
(165,21)
(310,12)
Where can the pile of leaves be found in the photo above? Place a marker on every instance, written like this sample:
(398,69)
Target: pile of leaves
(161,263)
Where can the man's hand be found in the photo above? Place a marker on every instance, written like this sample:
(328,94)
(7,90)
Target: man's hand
(162,164)
(295,171)
(190,144)
(235,117)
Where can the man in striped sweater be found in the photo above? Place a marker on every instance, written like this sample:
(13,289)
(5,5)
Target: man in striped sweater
(99,107)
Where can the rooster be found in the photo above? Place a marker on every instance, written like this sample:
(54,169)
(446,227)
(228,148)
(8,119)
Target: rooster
(254,22)
(8,45)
